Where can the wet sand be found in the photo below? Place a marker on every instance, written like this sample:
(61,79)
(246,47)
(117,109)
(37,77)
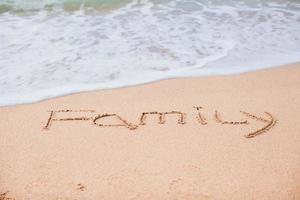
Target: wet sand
(222,137)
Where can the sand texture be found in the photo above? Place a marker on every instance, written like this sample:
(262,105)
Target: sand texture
(211,138)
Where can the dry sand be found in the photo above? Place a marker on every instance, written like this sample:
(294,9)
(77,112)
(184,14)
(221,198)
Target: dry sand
(93,146)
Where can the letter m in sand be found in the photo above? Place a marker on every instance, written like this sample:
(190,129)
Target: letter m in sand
(162,117)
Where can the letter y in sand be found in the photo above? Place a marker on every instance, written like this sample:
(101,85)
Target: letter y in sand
(270,122)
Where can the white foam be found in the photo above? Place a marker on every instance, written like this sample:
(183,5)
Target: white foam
(49,53)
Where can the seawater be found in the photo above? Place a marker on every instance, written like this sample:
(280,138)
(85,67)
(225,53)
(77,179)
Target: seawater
(50,48)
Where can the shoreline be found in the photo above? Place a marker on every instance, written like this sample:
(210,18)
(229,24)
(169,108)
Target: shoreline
(277,67)
(216,137)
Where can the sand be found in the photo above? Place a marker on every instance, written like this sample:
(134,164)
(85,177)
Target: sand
(222,137)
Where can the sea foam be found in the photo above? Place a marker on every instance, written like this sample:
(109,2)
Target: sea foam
(51,49)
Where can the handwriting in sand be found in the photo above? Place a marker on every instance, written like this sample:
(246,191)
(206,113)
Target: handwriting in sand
(268,119)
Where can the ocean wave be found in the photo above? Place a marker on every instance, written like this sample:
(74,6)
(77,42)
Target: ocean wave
(47,50)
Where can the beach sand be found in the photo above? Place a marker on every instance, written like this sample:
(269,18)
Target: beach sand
(220,137)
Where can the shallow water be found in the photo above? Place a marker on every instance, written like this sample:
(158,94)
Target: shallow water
(51,48)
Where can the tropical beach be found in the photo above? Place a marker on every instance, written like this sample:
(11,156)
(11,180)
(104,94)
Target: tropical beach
(149,100)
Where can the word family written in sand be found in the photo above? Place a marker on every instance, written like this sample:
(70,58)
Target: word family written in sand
(105,120)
